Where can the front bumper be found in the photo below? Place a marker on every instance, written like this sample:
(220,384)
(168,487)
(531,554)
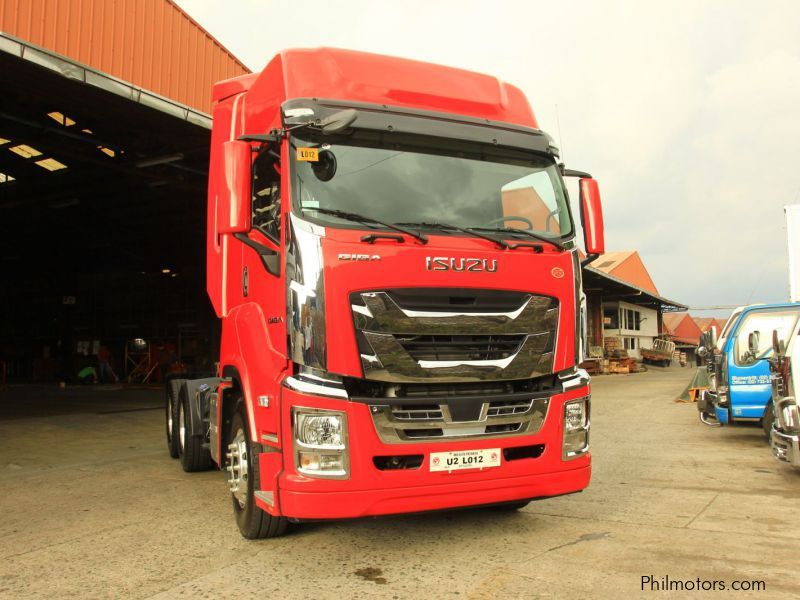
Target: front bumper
(370,491)
(786,447)
(425,497)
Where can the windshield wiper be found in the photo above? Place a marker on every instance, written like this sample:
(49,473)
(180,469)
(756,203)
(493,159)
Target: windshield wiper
(530,234)
(447,226)
(350,216)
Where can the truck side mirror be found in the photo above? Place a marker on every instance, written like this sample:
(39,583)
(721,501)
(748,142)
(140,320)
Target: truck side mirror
(752,343)
(778,345)
(591,217)
(712,336)
(233,201)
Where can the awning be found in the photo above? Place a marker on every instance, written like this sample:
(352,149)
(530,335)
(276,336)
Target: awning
(613,288)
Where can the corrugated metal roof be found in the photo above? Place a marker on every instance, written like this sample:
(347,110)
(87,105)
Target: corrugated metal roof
(152,44)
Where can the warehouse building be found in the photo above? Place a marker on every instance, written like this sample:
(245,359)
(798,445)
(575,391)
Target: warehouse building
(104,135)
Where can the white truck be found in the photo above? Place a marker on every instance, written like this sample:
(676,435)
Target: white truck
(785,362)
(785,367)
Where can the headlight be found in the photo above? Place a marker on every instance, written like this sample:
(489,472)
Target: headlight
(791,418)
(576,428)
(320,430)
(320,442)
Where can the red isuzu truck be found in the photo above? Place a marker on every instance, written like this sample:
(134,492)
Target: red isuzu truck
(392,256)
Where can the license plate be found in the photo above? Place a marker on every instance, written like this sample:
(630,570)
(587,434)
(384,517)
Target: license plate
(465,459)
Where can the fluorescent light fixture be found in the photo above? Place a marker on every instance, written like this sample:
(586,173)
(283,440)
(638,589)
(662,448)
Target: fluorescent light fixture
(61,118)
(5,178)
(107,151)
(51,164)
(4,141)
(25,151)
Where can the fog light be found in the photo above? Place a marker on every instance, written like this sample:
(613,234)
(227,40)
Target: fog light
(576,428)
(314,463)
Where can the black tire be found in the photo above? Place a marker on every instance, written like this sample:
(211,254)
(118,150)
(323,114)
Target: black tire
(172,386)
(769,418)
(253,522)
(194,457)
(511,506)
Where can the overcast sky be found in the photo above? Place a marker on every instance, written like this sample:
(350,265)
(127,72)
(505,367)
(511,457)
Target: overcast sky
(688,113)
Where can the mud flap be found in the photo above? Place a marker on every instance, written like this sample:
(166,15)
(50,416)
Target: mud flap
(270,465)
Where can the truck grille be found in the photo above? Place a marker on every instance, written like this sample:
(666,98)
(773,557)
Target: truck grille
(461,347)
(445,335)
(497,418)
(417,413)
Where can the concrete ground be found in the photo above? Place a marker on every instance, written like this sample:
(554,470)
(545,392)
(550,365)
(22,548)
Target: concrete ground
(93,507)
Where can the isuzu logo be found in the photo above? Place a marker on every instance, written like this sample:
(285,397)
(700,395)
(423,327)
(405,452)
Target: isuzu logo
(359,257)
(448,263)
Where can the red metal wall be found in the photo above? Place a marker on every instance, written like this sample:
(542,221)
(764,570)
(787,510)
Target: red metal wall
(152,44)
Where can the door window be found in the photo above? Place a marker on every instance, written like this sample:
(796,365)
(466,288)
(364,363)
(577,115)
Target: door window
(267,196)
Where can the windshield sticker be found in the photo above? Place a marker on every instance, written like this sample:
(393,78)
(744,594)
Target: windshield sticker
(749,379)
(308,154)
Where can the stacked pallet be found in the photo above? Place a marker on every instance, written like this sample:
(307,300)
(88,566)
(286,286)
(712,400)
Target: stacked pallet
(611,344)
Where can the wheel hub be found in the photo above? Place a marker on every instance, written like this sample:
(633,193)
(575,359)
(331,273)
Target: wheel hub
(237,467)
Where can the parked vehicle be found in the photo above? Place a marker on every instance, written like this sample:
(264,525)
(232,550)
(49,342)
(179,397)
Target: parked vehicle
(393,258)
(785,365)
(661,353)
(739,373)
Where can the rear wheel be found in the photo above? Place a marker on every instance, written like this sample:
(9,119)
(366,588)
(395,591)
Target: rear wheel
(769,418)
(243,477)
(171,416)
(194,456)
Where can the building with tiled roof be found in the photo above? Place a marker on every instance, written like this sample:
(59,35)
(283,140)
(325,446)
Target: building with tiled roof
(623,302)
(628,266)
(682,329)
(706,323)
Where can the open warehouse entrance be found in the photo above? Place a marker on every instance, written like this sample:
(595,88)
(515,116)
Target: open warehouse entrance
(102,202)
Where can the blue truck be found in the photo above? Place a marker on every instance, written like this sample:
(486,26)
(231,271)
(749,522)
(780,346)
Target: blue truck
(740,387)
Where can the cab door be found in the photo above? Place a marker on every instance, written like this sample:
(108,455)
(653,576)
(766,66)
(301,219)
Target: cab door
(748,368)
(261,316)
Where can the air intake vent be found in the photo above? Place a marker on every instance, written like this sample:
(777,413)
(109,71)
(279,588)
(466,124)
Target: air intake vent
(460,347)
(456,299)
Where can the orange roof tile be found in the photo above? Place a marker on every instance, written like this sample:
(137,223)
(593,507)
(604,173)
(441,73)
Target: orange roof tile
(628,266)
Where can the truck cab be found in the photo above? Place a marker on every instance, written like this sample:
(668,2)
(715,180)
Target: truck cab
(738,362)
(393,258)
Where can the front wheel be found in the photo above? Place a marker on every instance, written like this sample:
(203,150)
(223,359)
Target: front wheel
(511,506)
(769,418)
(242,468)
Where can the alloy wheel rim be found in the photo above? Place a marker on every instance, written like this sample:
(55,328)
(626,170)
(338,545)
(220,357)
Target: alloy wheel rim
(238,468)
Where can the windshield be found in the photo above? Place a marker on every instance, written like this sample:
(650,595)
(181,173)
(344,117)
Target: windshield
(762,324)
(413,180)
